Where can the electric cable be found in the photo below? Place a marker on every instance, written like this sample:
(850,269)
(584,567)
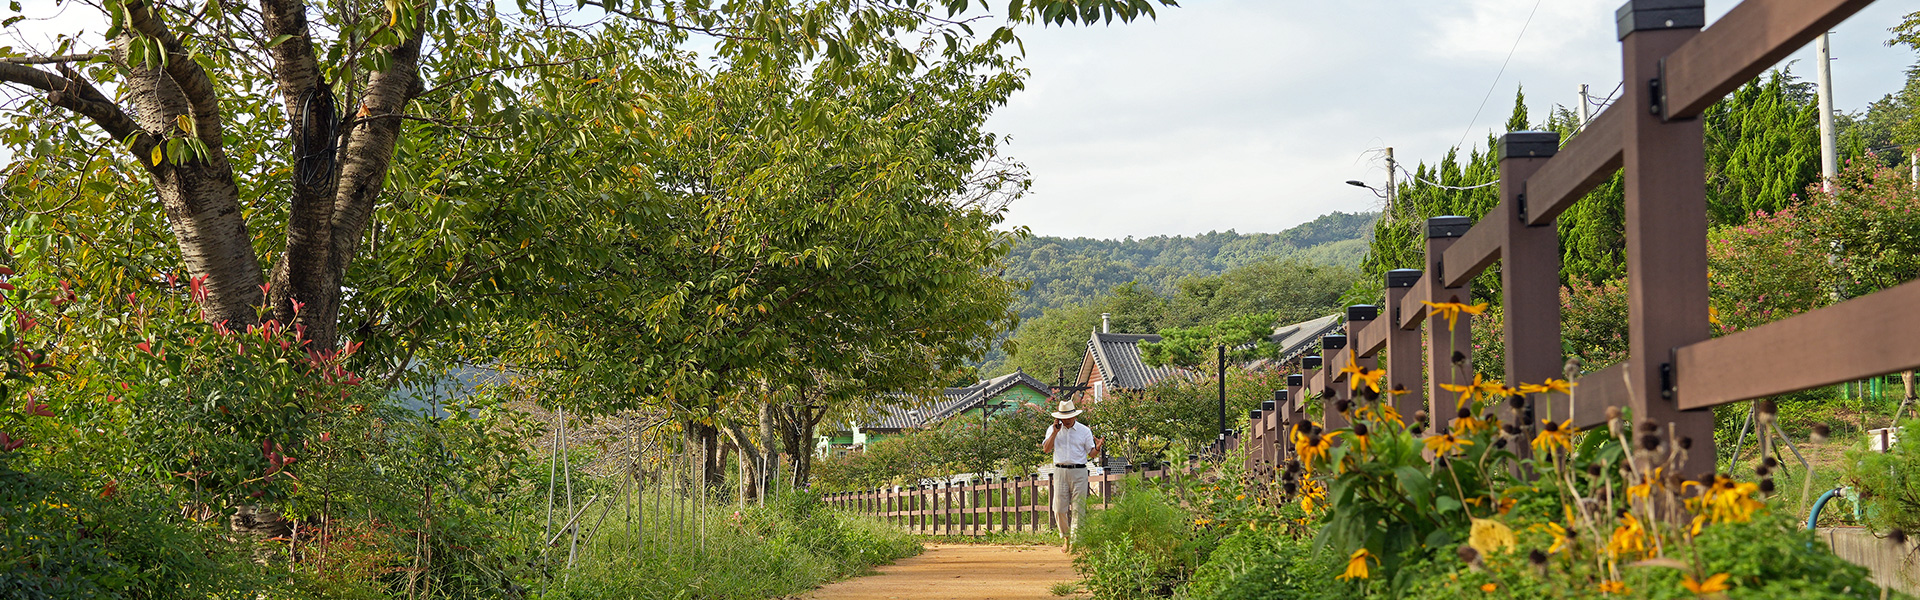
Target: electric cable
(1497,76)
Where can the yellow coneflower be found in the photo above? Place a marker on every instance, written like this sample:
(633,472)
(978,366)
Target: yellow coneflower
(1630,536)
(1716,583)
(1554,435)
(1613,587)
(1445,443)
(1452,310)
(1356,565)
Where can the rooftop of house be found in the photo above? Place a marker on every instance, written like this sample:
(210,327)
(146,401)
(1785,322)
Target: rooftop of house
(1117,355)
(909,412)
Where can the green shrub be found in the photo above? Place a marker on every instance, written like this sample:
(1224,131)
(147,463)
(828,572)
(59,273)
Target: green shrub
(1889,483)
(58,540)
(1768,557)
(1142,546)
(1262,563)
(785,546)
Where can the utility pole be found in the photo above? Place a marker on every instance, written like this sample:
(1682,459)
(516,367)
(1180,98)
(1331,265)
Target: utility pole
(1586,107)
(1222,350)
(1829,160)
(1391,166)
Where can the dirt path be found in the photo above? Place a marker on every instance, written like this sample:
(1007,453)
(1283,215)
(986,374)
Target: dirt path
(961,572)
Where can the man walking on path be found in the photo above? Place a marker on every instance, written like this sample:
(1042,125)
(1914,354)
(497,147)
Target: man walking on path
(1072,445)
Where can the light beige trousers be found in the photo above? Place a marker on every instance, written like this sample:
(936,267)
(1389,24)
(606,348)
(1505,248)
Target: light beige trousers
(1069,499)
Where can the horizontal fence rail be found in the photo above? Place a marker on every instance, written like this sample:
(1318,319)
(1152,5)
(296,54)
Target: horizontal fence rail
(1675,370)
(992,505)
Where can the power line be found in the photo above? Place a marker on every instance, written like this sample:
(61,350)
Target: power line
(1410,175)
(1497,76)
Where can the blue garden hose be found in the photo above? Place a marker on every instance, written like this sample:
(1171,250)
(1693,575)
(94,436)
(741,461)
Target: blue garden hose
(1814,516)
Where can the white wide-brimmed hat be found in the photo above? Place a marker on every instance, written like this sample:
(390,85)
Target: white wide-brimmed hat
(1067,411)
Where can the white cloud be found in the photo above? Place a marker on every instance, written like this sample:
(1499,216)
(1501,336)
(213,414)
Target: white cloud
(1250,114)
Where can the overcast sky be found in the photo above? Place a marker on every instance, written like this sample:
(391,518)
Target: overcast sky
(1251,114)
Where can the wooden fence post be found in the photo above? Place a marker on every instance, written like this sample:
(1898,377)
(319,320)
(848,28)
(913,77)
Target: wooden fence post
(1666,202)
(1443,345)
(1333,349)
(1403,345)
(1529,274)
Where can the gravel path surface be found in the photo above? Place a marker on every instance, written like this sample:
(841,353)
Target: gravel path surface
(961,572)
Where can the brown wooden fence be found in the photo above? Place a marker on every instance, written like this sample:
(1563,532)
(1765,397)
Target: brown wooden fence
(987,506)
(1676,372)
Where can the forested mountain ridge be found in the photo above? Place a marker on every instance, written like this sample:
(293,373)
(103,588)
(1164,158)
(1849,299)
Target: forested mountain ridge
(1065,271)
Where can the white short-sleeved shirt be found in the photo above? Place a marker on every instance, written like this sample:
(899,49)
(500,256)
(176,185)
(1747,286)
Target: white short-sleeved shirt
(1072,446)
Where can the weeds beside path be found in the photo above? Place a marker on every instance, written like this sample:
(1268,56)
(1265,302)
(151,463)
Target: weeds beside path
(961,572)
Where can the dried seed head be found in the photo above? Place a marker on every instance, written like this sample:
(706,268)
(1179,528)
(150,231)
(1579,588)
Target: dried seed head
(1537,557)
(1762,471)
(1499,443)
(1613,413)
(1290,488)
(1420,416)
(1768,408)
(1898,536)
(1686,443)
(1593,469)
(1770,462)
(1418,428)
(1821,431)
(1517,401)
(1459,357)
(1766,485)
(1510,429)
(1368,393)
(1341,406)
(1440,462)
(1649,427)
(1468,554)
(1650,442)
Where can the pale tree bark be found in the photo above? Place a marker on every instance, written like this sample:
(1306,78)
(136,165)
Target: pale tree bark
(340,165)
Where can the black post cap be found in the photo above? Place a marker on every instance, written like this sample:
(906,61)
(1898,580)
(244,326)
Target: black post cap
(1362,312)
(1281,395)
(1254,414)
(1294,380)
(1529,144)
(1403,278)
(1309,362)
(1449,226)
(1333,342)
(1268,405)
(1649,15)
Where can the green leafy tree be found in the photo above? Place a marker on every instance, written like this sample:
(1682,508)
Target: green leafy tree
(1190,348)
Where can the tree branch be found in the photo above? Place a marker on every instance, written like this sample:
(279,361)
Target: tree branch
(713,31)
(48,60)
(185,73)
(509,68)
(76,94)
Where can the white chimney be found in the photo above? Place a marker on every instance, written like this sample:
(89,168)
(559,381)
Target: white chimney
(1103,321)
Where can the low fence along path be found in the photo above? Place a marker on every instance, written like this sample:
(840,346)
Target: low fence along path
(961,572)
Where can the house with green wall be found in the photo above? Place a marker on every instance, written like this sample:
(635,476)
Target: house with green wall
(903,414)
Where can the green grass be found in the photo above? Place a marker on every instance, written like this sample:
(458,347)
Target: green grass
(785,547)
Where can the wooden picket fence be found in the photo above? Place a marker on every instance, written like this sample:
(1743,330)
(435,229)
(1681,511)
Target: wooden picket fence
(1676,371)
(991,505)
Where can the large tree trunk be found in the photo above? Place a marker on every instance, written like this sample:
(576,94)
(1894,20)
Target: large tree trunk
(339,168)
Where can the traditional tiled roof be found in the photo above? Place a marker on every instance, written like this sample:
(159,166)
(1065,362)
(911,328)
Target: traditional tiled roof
(1117,355)
(1298,338)
(919,412)
(962,398)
